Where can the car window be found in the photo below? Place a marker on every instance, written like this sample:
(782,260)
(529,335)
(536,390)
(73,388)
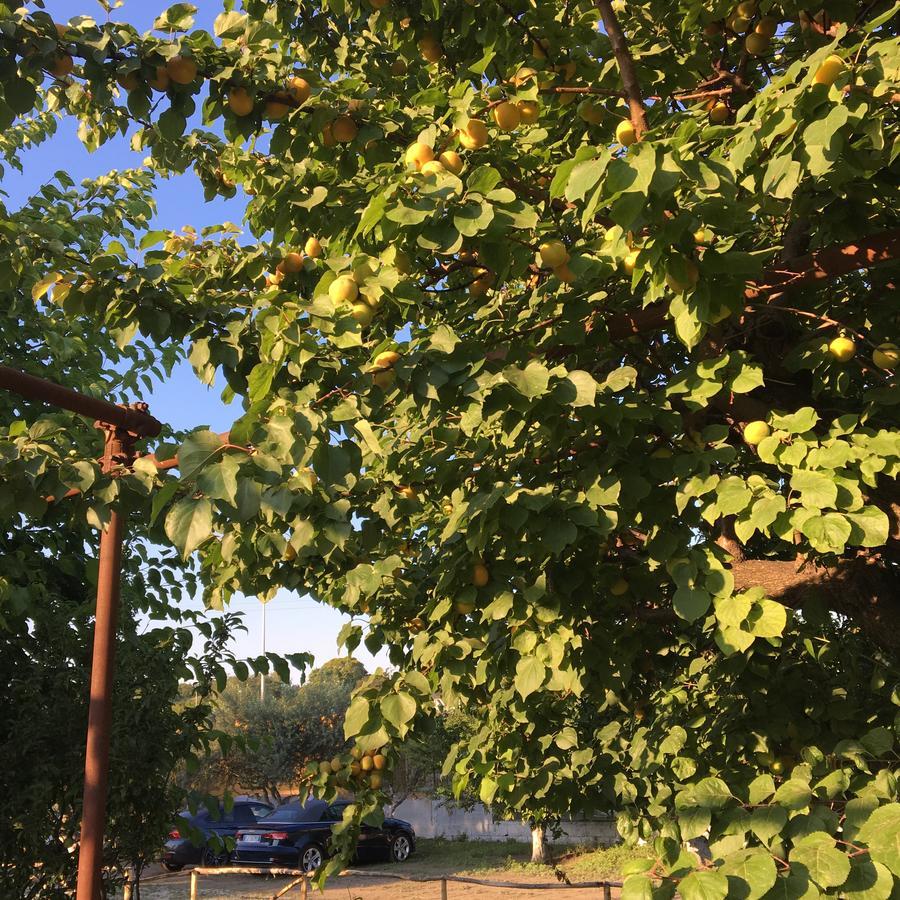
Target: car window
(259,810)
(297,812)
(334,813)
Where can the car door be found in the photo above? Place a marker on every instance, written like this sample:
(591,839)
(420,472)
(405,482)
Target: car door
(222,826)
(372,841)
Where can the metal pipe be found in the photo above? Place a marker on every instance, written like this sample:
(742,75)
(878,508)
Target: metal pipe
(43,391)
(96,760)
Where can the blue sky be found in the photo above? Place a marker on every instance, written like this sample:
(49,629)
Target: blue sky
(294,624)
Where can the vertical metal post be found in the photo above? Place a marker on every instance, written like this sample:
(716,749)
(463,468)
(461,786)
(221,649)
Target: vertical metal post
(96,761)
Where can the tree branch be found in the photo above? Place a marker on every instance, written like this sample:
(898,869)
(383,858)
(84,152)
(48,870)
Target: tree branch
(625,62)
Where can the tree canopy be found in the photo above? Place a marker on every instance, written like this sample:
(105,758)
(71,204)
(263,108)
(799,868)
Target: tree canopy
(561,338)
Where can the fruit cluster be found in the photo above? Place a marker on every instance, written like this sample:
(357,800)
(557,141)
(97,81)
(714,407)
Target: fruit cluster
(355,769)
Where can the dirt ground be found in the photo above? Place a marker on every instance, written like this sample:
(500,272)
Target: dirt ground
(352,887)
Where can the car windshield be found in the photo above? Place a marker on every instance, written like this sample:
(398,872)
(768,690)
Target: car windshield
(311,811)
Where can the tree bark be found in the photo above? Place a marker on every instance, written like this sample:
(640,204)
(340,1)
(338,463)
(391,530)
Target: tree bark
(538,844)
(625,62)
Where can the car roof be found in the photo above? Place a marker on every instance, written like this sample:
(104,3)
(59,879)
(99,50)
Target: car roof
(311,810)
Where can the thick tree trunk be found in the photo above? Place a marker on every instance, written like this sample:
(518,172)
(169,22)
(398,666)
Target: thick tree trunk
(538,844)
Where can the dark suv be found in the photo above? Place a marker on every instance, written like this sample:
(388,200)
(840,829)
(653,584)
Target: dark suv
(180,851)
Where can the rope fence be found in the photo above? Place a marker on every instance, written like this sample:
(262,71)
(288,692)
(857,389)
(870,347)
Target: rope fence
(301,881)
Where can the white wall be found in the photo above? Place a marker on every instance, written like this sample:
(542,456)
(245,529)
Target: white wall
(432,819)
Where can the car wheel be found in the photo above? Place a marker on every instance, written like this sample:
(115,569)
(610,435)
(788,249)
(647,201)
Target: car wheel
(311,858)
(401,847)
(211,860)
(172,867)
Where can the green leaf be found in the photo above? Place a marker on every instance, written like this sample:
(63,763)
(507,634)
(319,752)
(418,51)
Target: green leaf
(691,603)
(532,381)
(711,793)
(41,287)
(879,741)
(768,821)
(793,794)
(703,885)
(796,423)
(189,524)
(196,450)
(444,339)
(398,709)
(826,865)
(585,176)
(356,717)
(171,124)
(817,491)
(219,481)
(761,788)
(751,873)
(530,675)
(868,880)
(767,619)
(827,533)
(694,822)
(882,833)
(637,887)
(585,387)
(868,528)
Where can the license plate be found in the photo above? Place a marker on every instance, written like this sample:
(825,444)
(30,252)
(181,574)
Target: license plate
(250,839)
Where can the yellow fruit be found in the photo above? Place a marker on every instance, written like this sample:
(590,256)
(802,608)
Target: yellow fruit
(767,26)
(553,254)
(398,66)
(378,4)
(160,80)
(754,432)
(739,24)
(336,765)
(507,116)
(619,587)
(591,111)
(384,374)
(363,313)
(327,135)
(886,356)
(430,48)
(539,49)
(343,289)
(625,133)
(564,274)
(719,112)
(686,283)
(344,129)
(712,29)
(747,9)
(451,161)
(464,607)
(523,76)
(355,769)
(181,69)
(630,261)
(480,575)
(277,107)
(62,65)
(299,89)
(416,624)
(829,70)
(379,760)
(292,262)
(418,154)
(366,764)
(474,135)
(842,348)
(375,780)
(529,110)
(240,102)
(756,44)
(481,285)
(325,767)
(448,509)
(408,492)
(433,167)
(61,30)
(313,248)
(567,70)
(129,81)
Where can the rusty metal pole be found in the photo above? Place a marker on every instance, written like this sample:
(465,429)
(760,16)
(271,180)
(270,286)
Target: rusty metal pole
(118,456)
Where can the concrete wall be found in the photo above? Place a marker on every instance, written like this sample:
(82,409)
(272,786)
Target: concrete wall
(432,819)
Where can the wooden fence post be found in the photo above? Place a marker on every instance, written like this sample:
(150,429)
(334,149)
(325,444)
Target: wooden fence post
(194,885)
(443,889)
(304,888)
(607,892)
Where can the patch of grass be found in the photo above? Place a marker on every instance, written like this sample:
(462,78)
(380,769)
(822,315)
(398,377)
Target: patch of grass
(600,864)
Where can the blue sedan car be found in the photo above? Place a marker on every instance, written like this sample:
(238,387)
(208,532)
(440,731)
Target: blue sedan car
(297,835)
